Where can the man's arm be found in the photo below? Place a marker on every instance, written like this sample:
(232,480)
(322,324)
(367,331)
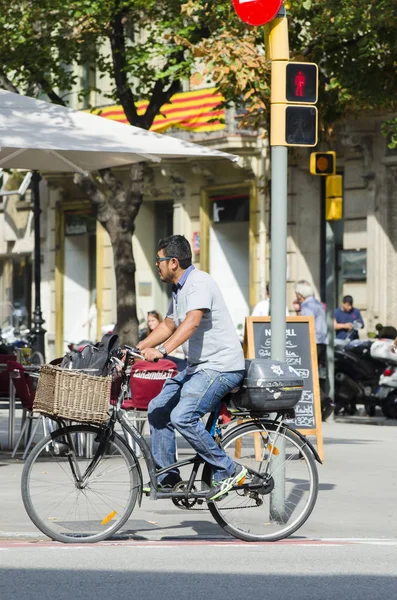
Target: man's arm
(159,335)
(339,326)
(360,319)
(180,335)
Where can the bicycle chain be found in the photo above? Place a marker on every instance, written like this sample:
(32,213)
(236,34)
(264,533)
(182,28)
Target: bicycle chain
(181,507)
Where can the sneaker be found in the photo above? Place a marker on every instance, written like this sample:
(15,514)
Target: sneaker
(222,487)
(169,482)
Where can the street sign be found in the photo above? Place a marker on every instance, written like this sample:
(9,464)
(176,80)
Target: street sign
(257,12)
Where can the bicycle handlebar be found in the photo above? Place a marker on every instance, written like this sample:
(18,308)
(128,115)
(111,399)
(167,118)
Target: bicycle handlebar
(133,351)
(127,352)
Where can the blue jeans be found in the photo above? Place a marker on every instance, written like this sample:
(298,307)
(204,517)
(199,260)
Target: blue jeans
(180,405)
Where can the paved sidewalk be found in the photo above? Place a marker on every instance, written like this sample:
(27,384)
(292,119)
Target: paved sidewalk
(357,498)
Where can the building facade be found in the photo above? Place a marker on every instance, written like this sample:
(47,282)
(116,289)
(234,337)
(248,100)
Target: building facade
(224,211)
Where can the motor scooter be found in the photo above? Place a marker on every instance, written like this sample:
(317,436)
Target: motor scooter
(387,390)
(357,375)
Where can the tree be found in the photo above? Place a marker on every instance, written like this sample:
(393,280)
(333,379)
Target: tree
(149,47)
(355,46)
(352,41)
(146,47)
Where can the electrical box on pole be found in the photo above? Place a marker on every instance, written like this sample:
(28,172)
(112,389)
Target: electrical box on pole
(334,198)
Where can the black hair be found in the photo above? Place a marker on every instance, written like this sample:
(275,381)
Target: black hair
(348,300)
(178,247)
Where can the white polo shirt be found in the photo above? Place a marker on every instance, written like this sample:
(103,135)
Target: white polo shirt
(214,345)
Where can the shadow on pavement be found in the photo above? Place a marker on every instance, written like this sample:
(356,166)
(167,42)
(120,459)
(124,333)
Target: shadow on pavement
(349,441)
(154,584)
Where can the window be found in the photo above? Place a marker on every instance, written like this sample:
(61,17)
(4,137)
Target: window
(228,209)
(353,265)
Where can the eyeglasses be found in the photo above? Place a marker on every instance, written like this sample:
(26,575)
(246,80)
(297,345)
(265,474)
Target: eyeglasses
(160,259)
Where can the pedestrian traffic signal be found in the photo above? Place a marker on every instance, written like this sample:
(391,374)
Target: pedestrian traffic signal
(294,82)
(323,163)
(293,125)
(293,92)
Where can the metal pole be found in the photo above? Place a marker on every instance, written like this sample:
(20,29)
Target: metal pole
(278,50)
(278,259)
(38,344)
(263,176)
(330,301)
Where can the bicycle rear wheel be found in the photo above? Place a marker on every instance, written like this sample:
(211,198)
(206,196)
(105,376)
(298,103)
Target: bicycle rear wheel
(286,489)
(73,498)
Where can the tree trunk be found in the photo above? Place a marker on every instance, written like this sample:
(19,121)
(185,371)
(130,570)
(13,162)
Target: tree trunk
(124,264)
(117,210)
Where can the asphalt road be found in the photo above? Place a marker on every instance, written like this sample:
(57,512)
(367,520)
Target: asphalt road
(157,570)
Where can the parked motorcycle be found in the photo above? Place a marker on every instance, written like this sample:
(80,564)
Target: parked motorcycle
(387,390)
(357,375)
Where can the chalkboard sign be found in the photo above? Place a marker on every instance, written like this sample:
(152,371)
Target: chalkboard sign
(301,354)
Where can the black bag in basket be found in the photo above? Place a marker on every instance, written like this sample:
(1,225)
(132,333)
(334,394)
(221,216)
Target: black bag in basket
(93,359)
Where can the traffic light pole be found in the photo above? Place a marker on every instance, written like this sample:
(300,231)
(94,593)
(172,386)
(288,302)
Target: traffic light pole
(278,258)
(278,49)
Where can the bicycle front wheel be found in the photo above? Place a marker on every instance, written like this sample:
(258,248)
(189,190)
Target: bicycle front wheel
(73,493)
(280,490)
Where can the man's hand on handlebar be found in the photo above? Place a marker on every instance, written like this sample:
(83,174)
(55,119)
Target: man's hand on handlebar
(151,354)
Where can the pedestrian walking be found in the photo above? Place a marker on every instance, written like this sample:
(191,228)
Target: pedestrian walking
(310,306)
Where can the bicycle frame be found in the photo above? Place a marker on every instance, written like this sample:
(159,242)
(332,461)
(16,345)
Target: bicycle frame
(119,415)
(196,460)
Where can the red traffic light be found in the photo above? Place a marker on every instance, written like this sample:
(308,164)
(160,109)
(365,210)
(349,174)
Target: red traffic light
(301,82)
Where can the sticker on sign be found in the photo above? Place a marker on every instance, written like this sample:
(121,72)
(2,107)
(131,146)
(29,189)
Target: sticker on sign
(257,12)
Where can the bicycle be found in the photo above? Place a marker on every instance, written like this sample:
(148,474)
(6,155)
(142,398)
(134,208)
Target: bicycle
(72,495)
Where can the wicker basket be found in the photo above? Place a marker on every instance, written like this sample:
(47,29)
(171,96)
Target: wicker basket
(72,395)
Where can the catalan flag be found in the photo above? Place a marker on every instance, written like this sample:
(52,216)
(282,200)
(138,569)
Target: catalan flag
(196,111)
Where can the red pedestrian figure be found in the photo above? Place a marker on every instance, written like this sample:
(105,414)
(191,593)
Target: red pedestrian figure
(300,81)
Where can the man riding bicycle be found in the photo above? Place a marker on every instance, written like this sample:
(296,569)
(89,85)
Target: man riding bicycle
(198,319)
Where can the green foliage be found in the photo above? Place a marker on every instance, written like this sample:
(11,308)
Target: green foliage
(389,130)
(147,48)
(354,43)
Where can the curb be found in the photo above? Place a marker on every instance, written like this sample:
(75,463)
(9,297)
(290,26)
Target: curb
(16,535)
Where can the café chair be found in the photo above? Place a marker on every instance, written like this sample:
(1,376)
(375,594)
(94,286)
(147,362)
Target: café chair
(4,375)
(24,390)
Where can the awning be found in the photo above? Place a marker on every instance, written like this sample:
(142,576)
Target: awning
(47,137)
(196,111)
